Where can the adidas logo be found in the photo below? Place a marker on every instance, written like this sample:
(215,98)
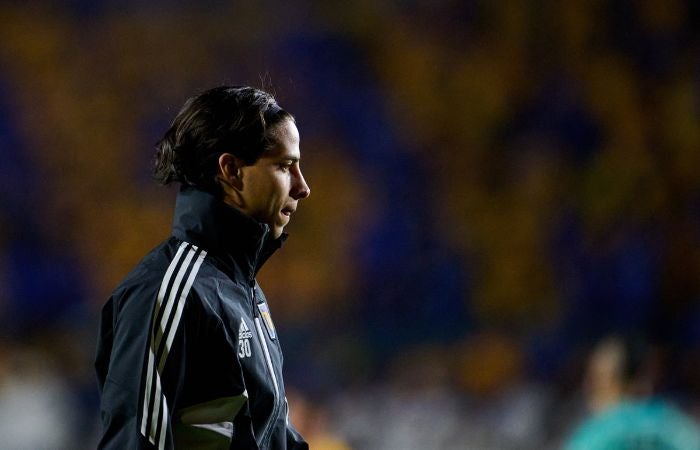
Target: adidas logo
(244,335)
(244,332)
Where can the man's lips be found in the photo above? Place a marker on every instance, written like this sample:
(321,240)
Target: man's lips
(288,211)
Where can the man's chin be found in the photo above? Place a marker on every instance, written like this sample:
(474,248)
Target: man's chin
(277,232)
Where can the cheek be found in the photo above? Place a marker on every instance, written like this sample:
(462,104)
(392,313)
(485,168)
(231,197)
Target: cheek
(281,188)
(269,193)
(275,195)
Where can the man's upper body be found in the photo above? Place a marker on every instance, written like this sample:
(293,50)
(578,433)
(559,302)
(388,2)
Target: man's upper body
(626,415)
(188,356)
(637,424)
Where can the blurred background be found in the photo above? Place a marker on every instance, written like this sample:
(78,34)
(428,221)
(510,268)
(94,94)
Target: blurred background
(495,187)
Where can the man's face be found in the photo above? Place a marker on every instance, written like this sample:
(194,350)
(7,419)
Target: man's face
(603,379)
(273,186)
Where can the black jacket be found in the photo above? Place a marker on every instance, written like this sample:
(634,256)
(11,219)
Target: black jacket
(188,356)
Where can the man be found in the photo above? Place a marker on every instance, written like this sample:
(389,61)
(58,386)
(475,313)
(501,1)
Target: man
(626,415)
(188,355)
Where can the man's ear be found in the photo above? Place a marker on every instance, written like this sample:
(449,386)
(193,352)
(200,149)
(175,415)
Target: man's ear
(230,170)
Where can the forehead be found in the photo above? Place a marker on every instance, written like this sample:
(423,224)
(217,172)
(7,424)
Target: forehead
(286,138)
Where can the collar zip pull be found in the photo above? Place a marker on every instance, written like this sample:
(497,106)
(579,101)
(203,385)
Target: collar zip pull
(253,302)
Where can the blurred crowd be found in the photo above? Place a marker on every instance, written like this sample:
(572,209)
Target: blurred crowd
(496,187)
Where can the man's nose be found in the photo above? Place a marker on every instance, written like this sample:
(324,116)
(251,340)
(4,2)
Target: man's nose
(301,189)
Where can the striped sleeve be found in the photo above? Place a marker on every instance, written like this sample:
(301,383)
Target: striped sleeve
(167,314)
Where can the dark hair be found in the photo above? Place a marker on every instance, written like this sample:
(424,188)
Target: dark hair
(636,355)
(225,119)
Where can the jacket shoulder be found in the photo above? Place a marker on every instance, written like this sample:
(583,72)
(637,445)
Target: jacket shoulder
(173,266)
(151,268)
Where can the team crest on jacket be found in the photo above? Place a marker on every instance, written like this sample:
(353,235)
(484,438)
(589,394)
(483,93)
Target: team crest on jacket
(265,313)
(244,336)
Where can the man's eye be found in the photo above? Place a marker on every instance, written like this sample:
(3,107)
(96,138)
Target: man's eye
(285,166)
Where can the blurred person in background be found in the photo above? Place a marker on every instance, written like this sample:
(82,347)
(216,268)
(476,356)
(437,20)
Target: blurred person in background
(626,414)
(188,354)
(37,410)
(312,419)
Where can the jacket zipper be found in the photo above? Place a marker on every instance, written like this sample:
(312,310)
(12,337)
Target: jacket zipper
(275,406)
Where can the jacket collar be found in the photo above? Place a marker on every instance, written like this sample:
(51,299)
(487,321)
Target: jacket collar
(222,230)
